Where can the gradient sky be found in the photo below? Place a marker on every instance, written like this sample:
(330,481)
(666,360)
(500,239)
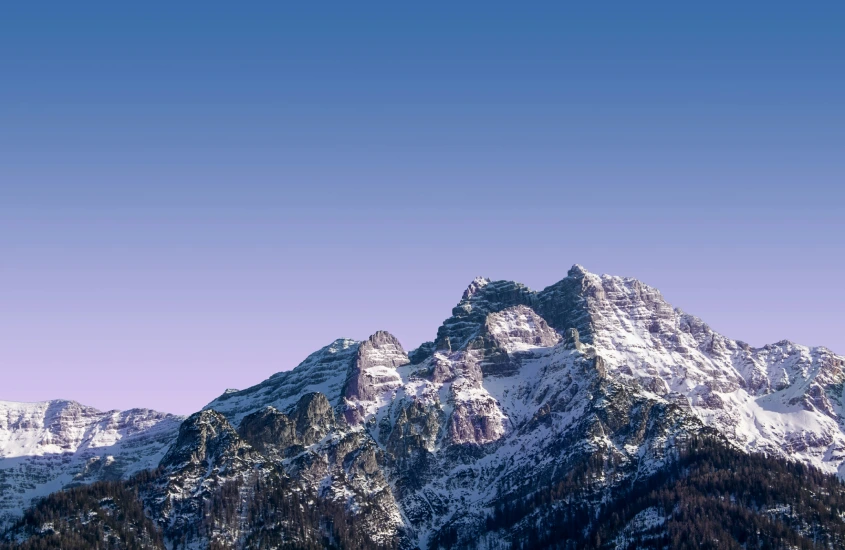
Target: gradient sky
(196,196)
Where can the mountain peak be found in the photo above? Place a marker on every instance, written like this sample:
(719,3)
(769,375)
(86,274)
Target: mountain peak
(577,270)
(477,284)
(383,338)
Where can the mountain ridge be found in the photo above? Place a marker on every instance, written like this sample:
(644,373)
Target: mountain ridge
(518,389)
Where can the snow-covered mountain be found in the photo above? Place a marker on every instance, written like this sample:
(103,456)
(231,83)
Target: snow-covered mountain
(45,447)
(592,383)
(519,385)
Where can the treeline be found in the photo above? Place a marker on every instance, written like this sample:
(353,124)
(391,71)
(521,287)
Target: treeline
(255,513)
(107,515)
(272,512)
(717,497)
(278,510)
(709,496)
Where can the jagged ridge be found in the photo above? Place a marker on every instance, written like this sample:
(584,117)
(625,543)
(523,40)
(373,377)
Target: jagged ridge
(518,390)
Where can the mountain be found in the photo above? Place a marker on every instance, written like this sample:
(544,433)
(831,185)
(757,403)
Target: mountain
(533,418)
(48,446)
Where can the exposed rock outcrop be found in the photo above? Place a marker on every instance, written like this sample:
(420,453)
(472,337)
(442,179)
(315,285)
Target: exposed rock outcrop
(373,374)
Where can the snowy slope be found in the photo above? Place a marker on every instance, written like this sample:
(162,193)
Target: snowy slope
(324,371)
(783,398)
(53,444)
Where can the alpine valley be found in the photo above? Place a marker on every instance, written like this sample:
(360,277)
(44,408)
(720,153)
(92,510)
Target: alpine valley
(591,414)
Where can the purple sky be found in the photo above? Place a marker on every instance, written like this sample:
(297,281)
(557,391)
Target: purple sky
(195,202)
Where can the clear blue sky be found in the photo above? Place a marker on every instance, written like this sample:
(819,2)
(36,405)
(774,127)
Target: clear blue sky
(195,196)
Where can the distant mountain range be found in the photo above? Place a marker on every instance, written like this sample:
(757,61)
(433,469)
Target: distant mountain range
(589,414)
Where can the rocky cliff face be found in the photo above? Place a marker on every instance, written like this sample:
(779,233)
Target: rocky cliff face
(207,458)
(373,375)
(270,430)
(595,378)
(215,480)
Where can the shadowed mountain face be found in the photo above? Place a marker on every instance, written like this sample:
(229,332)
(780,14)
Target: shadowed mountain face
(529,408)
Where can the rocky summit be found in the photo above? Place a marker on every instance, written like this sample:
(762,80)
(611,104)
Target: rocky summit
(588,414)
